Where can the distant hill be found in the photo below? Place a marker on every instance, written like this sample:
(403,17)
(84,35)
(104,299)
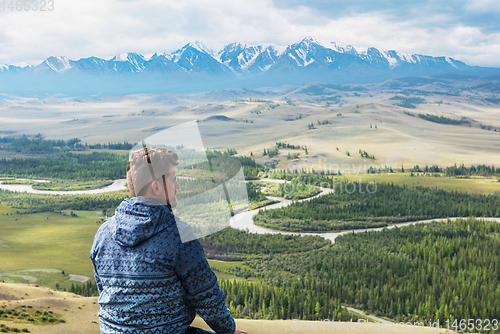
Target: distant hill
(219,118)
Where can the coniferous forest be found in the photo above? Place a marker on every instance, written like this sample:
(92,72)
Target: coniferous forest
(39,145)
(93,166)
(425,272)
(380,205)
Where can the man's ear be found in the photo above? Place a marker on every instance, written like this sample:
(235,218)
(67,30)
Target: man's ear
(155,188)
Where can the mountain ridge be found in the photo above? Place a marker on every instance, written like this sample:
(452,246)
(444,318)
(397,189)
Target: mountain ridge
(195,67)
(240,57)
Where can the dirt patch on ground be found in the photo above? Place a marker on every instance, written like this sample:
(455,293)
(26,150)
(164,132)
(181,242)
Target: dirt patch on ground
(5,295)
(13,291)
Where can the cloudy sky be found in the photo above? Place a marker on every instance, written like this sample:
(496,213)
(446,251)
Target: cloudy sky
(467,30)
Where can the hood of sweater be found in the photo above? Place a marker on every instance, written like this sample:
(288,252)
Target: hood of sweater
(138,219)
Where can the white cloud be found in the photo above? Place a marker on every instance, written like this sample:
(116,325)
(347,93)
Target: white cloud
(104,28)
(483,5)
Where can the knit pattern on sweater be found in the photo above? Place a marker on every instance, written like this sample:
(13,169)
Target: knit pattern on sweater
(148,280)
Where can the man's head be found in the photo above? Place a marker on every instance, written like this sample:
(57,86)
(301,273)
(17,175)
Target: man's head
(151,173)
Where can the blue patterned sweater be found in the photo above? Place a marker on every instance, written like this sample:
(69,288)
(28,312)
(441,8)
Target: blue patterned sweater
(148,280)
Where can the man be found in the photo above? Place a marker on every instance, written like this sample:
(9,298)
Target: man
(149,281)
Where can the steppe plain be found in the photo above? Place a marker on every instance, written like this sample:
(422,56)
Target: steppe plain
(365,119)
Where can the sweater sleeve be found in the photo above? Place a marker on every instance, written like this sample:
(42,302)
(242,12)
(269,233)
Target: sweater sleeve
(93,253)
(201,285)
(97,279)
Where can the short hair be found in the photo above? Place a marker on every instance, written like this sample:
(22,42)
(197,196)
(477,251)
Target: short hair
(147,165)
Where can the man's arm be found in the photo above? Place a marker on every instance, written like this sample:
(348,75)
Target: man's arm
(203,291)
(97,279)
(93,254)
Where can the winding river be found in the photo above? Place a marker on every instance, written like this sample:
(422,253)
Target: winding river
(117,185)
(242,221)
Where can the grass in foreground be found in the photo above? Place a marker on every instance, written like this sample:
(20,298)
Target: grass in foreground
(45,241)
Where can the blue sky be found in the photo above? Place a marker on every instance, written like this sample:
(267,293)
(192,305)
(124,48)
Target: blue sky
(464,30)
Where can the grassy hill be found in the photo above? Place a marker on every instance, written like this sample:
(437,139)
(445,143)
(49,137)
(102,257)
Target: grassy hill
(80,315)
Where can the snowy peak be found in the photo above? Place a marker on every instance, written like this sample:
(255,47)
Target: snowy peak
(57,64)
(308,42)
(397,58)
(4,68)
(120,57)
(159,55)
(340,48)
(230,52)
(305,52)
(266,58)
(198,46)
(133,62)
(192,49)
(131,56)
(306,45)
(196,57)
(201,47)
(276,50)
(240,57)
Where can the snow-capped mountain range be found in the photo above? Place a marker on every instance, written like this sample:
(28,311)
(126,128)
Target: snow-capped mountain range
(195,68)
(240,59)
